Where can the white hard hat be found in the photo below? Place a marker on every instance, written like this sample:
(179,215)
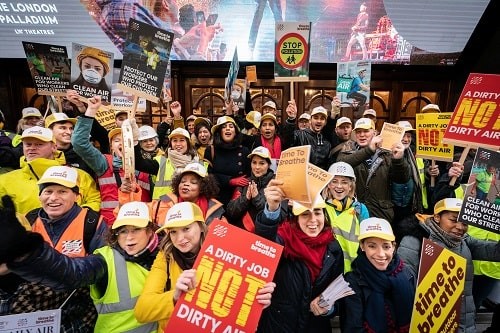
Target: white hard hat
(146,132)
(342,169)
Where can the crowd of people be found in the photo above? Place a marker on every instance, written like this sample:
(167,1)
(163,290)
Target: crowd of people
(117,248)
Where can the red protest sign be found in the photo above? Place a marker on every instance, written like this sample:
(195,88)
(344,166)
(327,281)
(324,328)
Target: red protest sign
(476,119)
(231,267)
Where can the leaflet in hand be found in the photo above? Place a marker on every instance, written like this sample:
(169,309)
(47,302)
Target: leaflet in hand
(336,290)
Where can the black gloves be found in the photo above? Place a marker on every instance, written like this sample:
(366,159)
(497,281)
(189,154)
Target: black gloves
(15,241)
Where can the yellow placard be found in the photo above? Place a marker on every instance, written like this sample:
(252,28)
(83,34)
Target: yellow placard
(251,73)
(441,281)
(430,129)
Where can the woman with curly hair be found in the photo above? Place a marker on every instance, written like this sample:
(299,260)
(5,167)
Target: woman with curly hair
(195,185)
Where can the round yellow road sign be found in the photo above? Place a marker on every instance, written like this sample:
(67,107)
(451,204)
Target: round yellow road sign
(291,51)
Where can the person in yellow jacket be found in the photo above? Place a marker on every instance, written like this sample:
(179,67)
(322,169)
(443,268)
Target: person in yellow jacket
(344,212)
(40,153)
(172,273)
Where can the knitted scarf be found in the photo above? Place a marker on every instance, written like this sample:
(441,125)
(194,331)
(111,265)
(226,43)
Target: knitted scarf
(389,306)
(299,246)
(179,160)
(451,241)
(274,147)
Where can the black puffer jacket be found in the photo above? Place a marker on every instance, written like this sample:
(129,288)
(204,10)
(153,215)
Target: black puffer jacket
(320,146)
(238,207)
(290,306)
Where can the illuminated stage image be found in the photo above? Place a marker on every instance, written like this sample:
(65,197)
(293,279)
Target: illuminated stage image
(382,31)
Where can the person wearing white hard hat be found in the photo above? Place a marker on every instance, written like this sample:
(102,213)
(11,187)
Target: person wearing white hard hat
(447,230)
(375,168)
(343,131)
(312,258)
(148,141)
(115,272)
(304,121)
(31,116)
(172,273)
(249,200)
(344,210)
(383,285)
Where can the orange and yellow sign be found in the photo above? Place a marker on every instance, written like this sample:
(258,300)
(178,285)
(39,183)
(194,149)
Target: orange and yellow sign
(231,267)
(438,299)
(476,119)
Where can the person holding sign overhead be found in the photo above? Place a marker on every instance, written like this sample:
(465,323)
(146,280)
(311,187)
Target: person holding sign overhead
(172,273)
(311,260)
(375,168)
(444,229)
(384,286)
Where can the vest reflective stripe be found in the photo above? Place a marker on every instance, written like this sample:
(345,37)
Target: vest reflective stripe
(143,184)
(126,302)
(119,288)
(109,204)
(163,183)
(107,180)
(346,228)
(71,241)
(421,173)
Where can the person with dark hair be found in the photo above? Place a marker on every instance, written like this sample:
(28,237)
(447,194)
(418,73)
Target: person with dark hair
(383,285)
(115,272)
(446,230)
(312,259)
(187,17)
(249,200)
(193,184)
(228,158)
(202,137)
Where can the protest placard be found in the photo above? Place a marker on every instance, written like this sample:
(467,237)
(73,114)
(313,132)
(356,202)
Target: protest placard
(481,206)
(231,267)
(430,128)
(49,67)
(391,134)
(353,84)
(292,170)
(92,72)
(476,119)
(251,73)
(145,60)
(39,321)
(317,180)
(438,298)
(291,58)
(231,75)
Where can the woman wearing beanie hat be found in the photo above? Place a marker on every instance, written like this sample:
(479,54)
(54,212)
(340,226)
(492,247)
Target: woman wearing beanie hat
(384,286)
(94,66)
(445,229)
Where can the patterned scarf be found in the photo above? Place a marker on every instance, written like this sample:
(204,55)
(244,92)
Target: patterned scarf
(179,160)
(390,304)
(299,246)
(448,239)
